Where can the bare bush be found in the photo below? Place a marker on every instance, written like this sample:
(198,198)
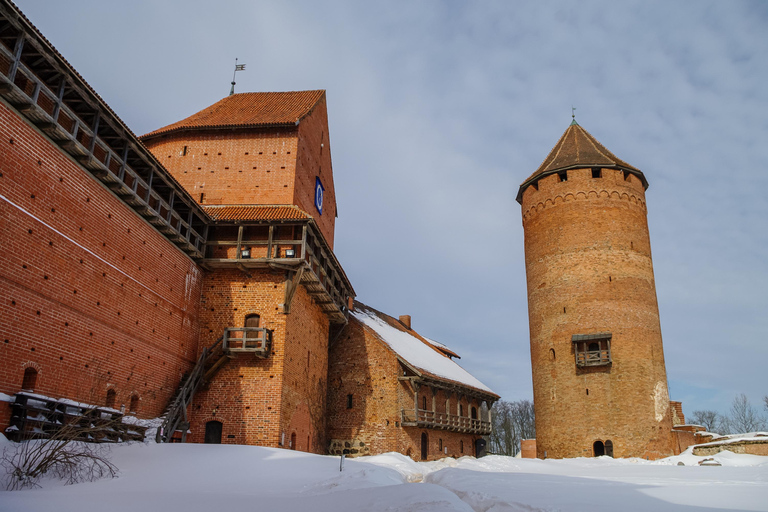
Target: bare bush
(61,455)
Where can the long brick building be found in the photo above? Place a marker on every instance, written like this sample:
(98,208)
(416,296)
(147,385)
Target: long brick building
(190,273)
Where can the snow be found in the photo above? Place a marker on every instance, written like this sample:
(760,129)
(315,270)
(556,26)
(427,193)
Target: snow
(737,438)
(6,398)
(197,478)
(417,353)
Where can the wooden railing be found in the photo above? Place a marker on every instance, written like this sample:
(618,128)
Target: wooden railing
(50,94)
(445,421)
(255,340)
(593,358)
(297,245)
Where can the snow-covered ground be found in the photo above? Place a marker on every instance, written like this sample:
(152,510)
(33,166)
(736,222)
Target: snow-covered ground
(205,478)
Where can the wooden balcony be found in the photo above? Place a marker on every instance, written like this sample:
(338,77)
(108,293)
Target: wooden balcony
(593,358)
(247,340)
(296,246)
(445,421)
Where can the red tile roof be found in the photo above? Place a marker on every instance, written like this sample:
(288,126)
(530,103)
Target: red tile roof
(255,212)
(577,148)
(249,110)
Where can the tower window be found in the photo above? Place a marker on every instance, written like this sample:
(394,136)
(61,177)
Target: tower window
(349,401)
(562,176)
(592,349)
(597,172)
(184,151)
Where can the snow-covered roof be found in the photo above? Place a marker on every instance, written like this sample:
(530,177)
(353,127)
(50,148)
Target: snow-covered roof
(414,351)
(442,348)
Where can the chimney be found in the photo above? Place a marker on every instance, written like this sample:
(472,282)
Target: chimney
(406,321)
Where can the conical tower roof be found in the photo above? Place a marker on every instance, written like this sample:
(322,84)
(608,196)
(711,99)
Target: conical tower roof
(578,149)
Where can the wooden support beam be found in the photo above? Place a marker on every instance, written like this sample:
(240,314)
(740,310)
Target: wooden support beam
(18,47)
(291,284)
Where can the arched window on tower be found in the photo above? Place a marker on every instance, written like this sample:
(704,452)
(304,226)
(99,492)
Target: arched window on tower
(29,381)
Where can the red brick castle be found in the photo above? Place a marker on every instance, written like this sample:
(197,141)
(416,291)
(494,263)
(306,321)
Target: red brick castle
(190,274)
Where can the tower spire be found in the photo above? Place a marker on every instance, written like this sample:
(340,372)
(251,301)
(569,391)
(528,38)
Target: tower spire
(573,116)
(238,67)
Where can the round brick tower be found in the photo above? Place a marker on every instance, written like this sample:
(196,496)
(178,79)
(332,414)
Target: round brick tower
(599,381)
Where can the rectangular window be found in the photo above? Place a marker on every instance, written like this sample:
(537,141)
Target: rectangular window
(592,349)
(597,172)
(562,176)
(349,401)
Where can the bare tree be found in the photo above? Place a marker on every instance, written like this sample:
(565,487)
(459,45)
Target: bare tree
(743,417)
(711,420)
(512,422)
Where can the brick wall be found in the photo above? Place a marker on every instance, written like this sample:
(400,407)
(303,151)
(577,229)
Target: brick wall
(589,269)
(245,394)
(306,370)
(248,166)
(361,365)
(314,160)
(92,295)
(232,167)
(258,400)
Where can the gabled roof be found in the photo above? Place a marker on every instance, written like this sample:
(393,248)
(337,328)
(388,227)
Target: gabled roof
(255,212)
(248,110)
(578,149)
(415,350)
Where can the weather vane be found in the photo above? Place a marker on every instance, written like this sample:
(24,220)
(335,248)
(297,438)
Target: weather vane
(573,115)
(238,67)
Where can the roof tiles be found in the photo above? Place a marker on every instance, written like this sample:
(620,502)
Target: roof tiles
(577,148)
(249,110)
(255,212)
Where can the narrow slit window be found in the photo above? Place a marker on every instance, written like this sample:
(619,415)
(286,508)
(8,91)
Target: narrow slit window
(349,401)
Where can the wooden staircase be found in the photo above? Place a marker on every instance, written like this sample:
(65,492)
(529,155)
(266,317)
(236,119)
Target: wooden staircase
(210,361)
(236,340)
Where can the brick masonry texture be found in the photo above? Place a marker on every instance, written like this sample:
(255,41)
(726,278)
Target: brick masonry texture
(589,270)
(246,166)
(92,296)
(361,365)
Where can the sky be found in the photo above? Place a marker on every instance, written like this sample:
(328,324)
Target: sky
(439,110)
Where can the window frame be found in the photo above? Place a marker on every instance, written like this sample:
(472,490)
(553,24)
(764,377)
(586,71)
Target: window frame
(585,356)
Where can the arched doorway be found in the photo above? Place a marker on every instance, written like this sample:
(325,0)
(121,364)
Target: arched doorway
(252,338)
(598,448)
(292,446)
(609,448)
(424,446)
(213,432)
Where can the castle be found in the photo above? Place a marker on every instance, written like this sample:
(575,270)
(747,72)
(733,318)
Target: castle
(190,273)
(599,380)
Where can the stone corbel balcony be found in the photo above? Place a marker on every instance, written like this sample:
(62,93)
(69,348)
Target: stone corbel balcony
(444,421)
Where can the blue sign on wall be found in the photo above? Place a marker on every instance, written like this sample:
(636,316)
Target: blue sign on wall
(319,189)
